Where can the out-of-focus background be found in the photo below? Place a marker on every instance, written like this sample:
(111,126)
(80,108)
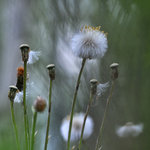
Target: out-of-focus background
(47,26)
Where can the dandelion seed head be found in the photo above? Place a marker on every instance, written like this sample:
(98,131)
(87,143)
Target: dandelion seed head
(90,43)
(129,129)
(77,127)
(19,97)
(33,57)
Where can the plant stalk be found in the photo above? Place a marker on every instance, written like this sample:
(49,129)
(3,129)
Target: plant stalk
(99,139)
(49,113)
(85,117)
(33,130)
(74,101)
(14,124)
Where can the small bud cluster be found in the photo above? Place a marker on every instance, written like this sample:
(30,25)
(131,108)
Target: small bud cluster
(39,104)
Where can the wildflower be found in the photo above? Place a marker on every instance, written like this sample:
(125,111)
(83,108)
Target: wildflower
(39,104)
(90,43)
(129,129)
(77,127)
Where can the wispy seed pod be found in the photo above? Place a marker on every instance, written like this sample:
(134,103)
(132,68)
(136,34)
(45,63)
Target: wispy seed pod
(25,52)
(94,83)
(12,92)
(114,73)
(51,68)
(39,104)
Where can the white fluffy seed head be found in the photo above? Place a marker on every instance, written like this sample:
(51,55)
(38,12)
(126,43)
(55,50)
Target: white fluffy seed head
(101,88)
(129,129)
(90,43)
(76,127)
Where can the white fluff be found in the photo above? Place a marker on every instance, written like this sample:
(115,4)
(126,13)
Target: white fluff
(101,88)
(129,129)
(89,43)
(77,127)
(18,97)
(33,57)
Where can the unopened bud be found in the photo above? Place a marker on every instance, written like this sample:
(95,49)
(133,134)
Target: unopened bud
(25,52)
(114,73)
(51,68)
(39,104)
(93,86)
(12,92)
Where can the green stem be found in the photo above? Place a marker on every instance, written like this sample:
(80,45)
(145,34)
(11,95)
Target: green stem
(85,117)
(48,119)
(33,129)
(27,135)
(74,101)
(14,124)
(98,143)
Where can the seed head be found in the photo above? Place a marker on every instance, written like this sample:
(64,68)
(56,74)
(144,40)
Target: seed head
(25,52)
(12,92)
(94,83)
(39,104)
(51,68)
(114,73)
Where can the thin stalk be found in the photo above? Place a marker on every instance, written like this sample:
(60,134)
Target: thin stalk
(14,124)
(74,101)
(99,139)
(85,117)
(48,119)
(27,135)
(33,129)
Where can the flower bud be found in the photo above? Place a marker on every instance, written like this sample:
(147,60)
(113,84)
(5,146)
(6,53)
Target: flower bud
(114,73)
(93,86)
(51,68)
(25,52)
(39,104)
(12,92)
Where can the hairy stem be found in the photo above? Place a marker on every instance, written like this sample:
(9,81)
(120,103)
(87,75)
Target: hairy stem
(99,139)
(74,102)
(14,124)
(48,119)
(33,130)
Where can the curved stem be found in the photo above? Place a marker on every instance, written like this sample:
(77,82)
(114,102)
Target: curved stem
(85,117)
(98,143)
(27,135)
(14,124)
(33,129)
(74,101)
(48,119)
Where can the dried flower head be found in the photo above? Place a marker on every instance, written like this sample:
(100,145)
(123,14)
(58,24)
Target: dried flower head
(39,104)
(25,52)
(129,129)
(114,73)
(12,92)
(90,43)
(20,72)
(94,83)
(76,127)
(51,68)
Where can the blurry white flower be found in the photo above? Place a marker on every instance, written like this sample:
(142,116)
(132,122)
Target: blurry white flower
(90,43)
(76,127)
(18,97)
(33,57)
(129,129)
(101,88)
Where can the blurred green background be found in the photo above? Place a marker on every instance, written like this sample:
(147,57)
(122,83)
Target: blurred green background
(46,26)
